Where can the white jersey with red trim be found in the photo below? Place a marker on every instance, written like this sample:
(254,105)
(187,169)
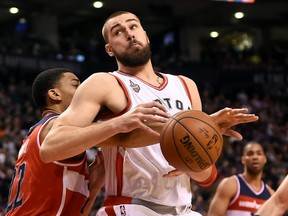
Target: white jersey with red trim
(138,172)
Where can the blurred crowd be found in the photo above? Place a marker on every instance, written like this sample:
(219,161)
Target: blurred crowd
(269,101)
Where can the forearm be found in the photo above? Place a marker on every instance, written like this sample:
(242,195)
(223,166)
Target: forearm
(271,208)
(138,137)
(92,198)
(204,178)
(277,204)
(64,142)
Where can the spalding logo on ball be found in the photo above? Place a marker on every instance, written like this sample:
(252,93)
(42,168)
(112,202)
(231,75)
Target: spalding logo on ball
(191,141)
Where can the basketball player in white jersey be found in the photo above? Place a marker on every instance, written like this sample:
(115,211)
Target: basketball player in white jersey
(139,181)
(243,194)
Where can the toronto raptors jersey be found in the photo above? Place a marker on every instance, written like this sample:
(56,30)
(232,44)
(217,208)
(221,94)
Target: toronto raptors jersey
(247,200)
(44,189)
(138,172)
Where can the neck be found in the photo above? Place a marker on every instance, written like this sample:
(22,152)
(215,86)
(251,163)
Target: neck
(47,112)
(145,69)
(252,177)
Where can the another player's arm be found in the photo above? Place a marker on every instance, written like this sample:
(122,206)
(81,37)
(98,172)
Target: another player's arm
(73,131)
(277,204)
(96,181)
(225,192)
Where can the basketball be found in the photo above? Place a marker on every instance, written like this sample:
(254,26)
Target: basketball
(191,141)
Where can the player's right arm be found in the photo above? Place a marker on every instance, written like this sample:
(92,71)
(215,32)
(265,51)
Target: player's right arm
(73,131)
(225,192)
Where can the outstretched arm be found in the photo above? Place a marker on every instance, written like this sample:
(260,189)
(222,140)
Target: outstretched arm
(277,204)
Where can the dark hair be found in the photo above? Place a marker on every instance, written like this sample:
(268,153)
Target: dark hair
(43,82)
(253,142)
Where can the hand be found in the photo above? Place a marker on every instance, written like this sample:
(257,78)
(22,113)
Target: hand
(97,172)
(143,115)
(173,173)
(228,117)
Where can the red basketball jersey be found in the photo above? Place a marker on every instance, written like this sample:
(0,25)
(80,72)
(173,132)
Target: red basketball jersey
(39,188)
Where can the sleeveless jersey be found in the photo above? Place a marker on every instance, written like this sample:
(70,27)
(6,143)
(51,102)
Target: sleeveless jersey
(247,200)
(46,189)
(138,172)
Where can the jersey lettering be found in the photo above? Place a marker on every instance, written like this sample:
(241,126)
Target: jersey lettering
(167,102)
(16,202)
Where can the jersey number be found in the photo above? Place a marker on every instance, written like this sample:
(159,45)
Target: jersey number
(16,202)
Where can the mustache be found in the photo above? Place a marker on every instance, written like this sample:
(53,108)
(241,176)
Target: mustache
(134,41)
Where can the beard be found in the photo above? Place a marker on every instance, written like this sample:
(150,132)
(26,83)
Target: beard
(253,171)
(135,56)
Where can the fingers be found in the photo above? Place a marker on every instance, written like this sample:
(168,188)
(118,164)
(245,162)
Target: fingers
(236,111)
(228,117)
(173,173)
(152,108)
(234,134)
(247,117)
(153,104)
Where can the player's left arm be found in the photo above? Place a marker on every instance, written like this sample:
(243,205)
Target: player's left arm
(194,93)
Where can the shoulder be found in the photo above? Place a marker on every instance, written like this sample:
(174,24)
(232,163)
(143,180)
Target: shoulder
(229,181)
(46,128)
(100,77)
(228,185)
(189,82)
(186,79)
(96,84)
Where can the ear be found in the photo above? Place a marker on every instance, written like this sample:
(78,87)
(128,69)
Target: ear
(242,160)
(108,50)
(54,94)
(147,38)
(265,159)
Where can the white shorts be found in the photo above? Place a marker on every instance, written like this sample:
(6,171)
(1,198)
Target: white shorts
(133,210)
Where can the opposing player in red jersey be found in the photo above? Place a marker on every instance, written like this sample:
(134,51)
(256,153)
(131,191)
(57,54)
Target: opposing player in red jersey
(243,194)
(60,187)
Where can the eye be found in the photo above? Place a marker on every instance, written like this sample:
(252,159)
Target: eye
(118,32)
(133,27)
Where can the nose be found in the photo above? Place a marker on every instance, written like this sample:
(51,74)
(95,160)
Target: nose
(129,34)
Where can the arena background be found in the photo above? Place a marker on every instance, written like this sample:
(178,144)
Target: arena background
(245,66)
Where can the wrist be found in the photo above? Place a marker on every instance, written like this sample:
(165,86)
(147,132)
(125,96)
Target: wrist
(210,179)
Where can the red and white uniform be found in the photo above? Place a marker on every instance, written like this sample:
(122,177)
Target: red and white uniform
(247,200)
(135,175)
(39,188)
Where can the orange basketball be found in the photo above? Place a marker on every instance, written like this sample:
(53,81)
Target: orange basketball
(191,141)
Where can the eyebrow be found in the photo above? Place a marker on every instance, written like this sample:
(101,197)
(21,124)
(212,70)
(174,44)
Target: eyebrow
(117,24)
(74,79)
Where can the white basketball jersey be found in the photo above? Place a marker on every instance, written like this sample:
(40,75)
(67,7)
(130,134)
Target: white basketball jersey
(138,172)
